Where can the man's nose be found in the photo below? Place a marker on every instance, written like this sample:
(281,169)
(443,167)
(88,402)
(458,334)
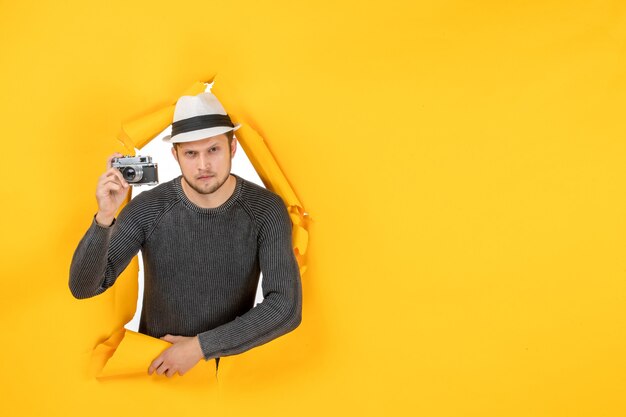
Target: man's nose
(205,161)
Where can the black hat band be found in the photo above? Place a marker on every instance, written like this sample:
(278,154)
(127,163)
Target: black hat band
(201,122)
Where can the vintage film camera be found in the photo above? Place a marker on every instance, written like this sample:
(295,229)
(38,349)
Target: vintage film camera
(137,170)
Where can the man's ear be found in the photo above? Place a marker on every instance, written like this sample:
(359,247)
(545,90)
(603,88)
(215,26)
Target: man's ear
(175,153)
(233,147)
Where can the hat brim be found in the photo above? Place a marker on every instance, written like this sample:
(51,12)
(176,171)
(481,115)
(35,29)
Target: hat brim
(199,134)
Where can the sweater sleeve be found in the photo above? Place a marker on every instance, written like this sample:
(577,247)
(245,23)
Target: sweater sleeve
(102,255)
(281,309)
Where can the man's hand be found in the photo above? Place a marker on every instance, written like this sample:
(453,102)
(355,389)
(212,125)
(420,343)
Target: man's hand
(181,357)
(110,193)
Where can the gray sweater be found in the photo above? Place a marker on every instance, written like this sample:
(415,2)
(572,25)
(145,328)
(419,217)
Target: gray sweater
(201,266)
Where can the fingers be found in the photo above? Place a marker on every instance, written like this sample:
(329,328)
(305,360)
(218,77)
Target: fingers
(170,338)
(160,367)
(163,368)
(174,359)
(111,187)
(110,159)
(110,192)
(114,174)
(155,364)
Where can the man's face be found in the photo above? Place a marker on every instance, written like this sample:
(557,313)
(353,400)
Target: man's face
(205,164)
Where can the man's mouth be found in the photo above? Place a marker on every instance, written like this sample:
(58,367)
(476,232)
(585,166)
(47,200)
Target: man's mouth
(205,176)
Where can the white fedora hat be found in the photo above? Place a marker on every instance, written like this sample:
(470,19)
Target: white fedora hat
(199,117)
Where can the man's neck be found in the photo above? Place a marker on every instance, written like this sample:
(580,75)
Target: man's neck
(213,200)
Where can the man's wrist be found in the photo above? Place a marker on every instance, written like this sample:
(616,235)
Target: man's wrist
(201,352)
(103,220)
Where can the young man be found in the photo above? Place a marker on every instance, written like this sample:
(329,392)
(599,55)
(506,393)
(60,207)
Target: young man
(205,237)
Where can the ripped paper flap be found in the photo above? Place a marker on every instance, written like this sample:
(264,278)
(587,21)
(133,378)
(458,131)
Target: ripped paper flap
(274,179)
(138,132)
(126,353)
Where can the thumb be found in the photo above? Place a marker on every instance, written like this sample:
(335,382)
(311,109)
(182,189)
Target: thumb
(170,338)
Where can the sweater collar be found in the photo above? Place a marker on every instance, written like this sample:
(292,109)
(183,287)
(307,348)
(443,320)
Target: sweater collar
(214,210)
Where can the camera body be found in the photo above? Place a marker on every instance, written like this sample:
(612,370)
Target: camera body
(137,170)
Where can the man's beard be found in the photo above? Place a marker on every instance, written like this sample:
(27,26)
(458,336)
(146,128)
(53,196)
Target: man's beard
(211,189)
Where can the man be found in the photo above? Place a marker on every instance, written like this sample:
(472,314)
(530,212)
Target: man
(205,237)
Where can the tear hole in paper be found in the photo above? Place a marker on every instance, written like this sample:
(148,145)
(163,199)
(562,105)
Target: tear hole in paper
(168,169)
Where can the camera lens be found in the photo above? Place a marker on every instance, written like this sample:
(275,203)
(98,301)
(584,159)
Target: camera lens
(132,173)
(129,174)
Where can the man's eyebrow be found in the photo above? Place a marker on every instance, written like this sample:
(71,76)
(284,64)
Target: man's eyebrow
(209,146)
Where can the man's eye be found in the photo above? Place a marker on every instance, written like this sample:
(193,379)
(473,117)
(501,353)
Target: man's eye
(190,153)
(213,149)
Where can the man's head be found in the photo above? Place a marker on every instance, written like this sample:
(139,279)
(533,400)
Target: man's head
(203,142)
(205,164)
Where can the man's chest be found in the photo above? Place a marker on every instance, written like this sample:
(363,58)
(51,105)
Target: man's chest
(187,238)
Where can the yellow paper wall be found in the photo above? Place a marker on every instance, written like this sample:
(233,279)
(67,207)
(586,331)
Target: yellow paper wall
(463,161)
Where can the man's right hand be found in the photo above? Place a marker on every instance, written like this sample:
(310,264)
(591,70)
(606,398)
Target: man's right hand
(110,193)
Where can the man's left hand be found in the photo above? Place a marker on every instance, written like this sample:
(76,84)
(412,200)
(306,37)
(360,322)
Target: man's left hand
(181,357)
